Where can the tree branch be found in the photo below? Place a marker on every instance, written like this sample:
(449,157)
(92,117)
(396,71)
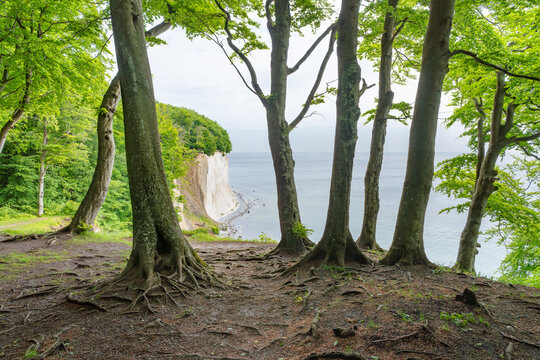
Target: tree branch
(158,29)
(254,82)
(269,20)
(516,140)
(398,30)
(318,80)
(488,64)
(311,49)
(524,149)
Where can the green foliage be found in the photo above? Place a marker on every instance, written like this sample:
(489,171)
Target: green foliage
(71,155)
(301,231)
(463,320)
(196,131)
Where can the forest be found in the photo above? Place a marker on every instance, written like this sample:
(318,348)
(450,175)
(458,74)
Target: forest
(89,162)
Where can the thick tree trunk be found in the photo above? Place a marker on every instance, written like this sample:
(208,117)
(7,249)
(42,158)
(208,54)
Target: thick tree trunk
(485,177)
(19,112)
(42,168)
(97,192)
(367,239)
(158,243)
(278,135)
(337,245)
(89,208)
(408,243)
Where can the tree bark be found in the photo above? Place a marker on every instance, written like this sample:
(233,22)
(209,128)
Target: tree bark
(19,112)
(87,212)
(485,178)
(337,245)
(42,168)
(408,243)
(278,135)
(158,243)
(367,239)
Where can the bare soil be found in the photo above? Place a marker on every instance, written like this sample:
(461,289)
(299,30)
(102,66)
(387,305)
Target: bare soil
(387,312)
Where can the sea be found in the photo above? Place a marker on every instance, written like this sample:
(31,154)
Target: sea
(251,176)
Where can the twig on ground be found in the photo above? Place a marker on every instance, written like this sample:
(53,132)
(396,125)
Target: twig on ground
(336,355)
(406,351)
(397,338)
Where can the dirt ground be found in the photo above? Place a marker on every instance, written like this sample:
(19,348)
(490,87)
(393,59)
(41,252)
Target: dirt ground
(377,312)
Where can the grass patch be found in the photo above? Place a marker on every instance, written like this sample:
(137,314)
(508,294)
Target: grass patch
(31,225)
(206,235)
(122,237)
(15,263)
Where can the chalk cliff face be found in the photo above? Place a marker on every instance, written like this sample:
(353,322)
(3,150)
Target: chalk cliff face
(206,190)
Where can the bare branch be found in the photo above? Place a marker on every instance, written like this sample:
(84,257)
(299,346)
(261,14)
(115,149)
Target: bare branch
(318,80)
(398,30)
(254,82)
(311,49)
(158,29)
(488,64)
(524,149)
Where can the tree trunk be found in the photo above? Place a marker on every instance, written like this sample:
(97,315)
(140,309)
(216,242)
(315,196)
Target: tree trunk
(337,245)
(278,135)
(367,239)
(481,145)
(485,178)
(42,168)
(408,243)
(97,192)
(484,188)
(19,112)
(158,243)
(89,208)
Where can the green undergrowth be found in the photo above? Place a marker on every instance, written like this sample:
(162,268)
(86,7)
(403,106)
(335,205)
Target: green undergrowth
(122,236)
(208,235)
(29,226)
(16,263)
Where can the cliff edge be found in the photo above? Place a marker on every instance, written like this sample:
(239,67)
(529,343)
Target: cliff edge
(205,191)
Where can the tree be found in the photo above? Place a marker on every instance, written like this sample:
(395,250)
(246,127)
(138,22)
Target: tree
(513,121)
(281,19)
(158,243)
(367,237)
(88,209)
(408,244)
(49,50)
(337,245)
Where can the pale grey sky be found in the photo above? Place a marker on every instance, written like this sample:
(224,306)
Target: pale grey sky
(196,74)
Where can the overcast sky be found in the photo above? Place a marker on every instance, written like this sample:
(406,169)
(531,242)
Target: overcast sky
(197,75)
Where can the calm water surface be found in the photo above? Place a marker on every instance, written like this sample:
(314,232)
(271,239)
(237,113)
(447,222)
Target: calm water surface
(252,175)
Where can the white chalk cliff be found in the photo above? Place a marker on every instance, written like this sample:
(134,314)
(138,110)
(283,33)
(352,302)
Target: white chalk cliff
(206,190)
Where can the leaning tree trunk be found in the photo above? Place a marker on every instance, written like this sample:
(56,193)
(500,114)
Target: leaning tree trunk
(337,245)
(292,241)
(89,208)
(485,177)
(97,192)
(19,112)
(367,239)
(158,243)
(42,168)
(408,243)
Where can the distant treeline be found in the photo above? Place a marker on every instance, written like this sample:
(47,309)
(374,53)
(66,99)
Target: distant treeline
(70,154)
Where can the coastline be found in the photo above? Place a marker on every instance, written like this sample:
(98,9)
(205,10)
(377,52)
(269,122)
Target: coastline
(243,208)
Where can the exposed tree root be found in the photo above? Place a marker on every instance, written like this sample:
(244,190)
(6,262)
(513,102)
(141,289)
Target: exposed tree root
(321,255)
(519,340)
(336,355)
(70,298)
(58,344)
